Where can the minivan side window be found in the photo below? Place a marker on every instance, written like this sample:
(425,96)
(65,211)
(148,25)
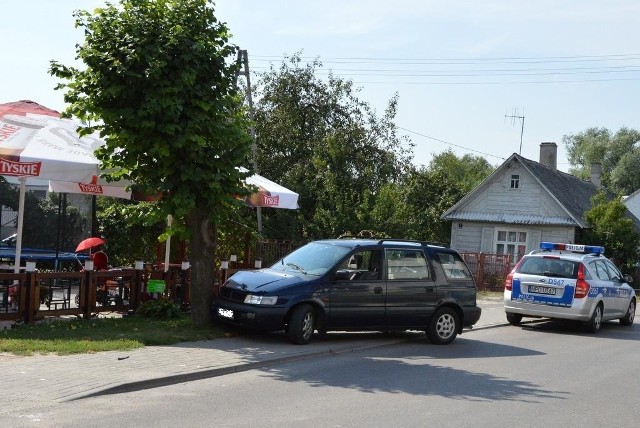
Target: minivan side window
(454,267)
(407,264)
(362,265)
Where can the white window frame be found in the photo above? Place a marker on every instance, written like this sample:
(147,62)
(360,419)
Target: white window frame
(514,183)
(512,247)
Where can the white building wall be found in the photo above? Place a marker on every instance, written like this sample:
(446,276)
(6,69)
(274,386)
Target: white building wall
(633,204)
(477,236)
(529,198)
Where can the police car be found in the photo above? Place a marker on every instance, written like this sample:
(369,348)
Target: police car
(567,281)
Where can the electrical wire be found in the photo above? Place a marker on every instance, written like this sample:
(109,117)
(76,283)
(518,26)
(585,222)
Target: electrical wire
(422,71)
(449,143)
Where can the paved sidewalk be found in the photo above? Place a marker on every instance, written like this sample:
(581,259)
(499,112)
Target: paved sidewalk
(46,378)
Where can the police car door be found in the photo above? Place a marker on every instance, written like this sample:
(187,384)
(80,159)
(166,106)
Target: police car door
(608,284)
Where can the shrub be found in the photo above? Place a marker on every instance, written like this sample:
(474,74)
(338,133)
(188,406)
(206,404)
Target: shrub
(161,308)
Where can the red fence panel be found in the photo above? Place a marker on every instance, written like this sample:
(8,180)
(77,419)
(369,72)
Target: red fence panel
(489,269)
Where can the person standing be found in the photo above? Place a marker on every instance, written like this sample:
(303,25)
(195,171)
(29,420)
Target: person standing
(100,260)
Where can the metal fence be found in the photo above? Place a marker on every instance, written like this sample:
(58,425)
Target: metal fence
(490,270)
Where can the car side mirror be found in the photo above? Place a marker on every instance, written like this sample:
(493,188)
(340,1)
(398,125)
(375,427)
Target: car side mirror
(342,275)
(627,278)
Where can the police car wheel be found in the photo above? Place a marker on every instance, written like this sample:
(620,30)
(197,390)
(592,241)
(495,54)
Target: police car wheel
(443,327)
(630,315)
(514,319)
(594,324)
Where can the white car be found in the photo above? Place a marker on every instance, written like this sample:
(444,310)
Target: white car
(567,281)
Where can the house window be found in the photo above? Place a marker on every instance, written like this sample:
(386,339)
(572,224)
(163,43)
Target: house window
(515,181)
(513,242)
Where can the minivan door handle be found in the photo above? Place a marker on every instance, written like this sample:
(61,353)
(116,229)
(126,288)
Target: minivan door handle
(377,290)
(429,289)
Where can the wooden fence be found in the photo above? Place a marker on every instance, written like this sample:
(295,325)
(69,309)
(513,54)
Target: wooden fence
(31,296)
(34,295)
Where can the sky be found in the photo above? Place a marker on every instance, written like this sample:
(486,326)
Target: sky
(481,77)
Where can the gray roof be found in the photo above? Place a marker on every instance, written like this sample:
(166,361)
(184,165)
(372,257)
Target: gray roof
(572,193)
(509,218)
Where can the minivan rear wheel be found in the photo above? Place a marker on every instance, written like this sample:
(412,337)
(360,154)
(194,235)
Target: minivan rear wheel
(301,324)
(443,327)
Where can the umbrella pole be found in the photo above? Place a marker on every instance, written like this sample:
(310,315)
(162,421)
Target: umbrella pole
(23,189)
(58,230)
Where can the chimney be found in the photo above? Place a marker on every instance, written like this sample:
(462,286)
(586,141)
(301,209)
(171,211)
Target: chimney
(596,174)
(549,155)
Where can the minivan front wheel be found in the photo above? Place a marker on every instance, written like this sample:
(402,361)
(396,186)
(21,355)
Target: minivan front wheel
(301,324)
(630,315)
(443,327)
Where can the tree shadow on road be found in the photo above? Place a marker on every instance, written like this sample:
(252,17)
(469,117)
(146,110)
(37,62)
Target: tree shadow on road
(422,371)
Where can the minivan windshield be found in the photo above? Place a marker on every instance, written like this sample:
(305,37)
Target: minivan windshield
(314,258)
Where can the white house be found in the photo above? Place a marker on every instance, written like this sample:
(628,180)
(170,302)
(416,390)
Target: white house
(521,204)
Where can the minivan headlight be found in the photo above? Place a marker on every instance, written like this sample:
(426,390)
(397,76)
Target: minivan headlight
(253,299)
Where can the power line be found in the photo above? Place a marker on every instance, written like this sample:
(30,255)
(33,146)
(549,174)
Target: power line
(461,61)
(475,71)
(449,143)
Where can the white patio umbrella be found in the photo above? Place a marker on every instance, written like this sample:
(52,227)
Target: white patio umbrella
(97,187)
(271,194)
(36,142)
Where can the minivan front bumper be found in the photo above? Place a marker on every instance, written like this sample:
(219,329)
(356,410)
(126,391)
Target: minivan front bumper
(255,317)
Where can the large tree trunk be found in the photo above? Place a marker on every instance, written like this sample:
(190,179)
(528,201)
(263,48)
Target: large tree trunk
(202,255)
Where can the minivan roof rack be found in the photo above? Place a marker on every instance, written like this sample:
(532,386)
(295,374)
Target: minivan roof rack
(414,241)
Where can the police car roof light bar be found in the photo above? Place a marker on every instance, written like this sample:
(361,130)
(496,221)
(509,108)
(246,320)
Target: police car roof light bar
(592,249)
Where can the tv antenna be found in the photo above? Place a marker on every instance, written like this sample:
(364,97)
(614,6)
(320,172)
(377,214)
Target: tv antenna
(515,116)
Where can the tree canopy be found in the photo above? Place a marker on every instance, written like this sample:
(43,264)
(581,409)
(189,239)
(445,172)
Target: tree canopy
(158,85)
(618,154)
(413,207)
(611,228)
(319,139)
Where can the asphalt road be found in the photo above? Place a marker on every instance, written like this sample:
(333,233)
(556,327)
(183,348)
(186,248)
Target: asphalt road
(540,374)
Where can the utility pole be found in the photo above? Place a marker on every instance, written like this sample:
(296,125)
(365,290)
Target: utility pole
(513,118)
(243,61)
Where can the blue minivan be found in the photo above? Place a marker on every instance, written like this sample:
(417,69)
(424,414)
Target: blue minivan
(355,285)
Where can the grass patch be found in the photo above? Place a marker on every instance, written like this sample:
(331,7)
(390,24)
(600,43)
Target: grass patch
(76,336)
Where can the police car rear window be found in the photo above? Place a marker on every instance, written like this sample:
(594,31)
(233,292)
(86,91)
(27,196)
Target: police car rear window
(549,267)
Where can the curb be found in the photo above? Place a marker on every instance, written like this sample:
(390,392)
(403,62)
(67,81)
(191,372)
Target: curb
(215,372)
(222,371)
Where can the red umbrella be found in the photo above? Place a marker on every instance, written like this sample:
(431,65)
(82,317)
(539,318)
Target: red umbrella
(89,243)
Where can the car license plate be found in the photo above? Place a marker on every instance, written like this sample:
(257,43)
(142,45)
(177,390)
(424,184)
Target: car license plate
(225,313)
(542,290)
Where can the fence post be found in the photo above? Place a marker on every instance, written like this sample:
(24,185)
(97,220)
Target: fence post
(480,271)
(89,288)
(135,294)
(29,291)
